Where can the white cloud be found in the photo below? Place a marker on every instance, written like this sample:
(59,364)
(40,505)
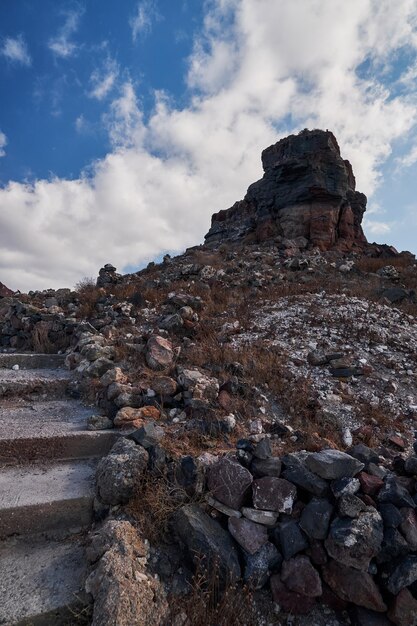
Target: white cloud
(408,159)
(142,21)
(103,80)
(3,143)
(62,45)
(16,50)
(377,229)
(259,70)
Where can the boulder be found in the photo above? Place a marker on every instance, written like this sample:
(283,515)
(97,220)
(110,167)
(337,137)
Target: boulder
(207,544)
(333,464)
(229,482)
(315,518)
(300,576)
(159,353)
(273,494)
(354,586)
(403,609)
(403,575)
(258,566)
(249,535)
(120,471)
(355,542)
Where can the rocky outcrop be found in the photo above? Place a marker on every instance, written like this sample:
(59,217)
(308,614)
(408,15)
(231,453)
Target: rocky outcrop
(307,193)
(5,291)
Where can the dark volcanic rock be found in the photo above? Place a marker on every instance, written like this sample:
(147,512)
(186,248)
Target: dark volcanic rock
(355,542)
(229,482)
(206,541)
(307,191)
(315,518)
(300,576)
(290,601)
(353,586)
(258,566)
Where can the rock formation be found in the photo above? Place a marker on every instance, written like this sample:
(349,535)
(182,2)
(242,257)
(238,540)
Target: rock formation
(307,191)
(5,291)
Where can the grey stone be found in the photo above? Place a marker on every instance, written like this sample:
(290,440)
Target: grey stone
(148,435)
(345,486)
(291,539)
(266,467)
(119,472)
(354,542)
(315,518)
(300,576)
(391,516)
(393,546)
(404,575)
(350,506)
(267,518)
(263,449)
(394,493)
(364,454)
(333,464)
(249,535)
(206,542)
(219,506)
(297,473)
(258,566)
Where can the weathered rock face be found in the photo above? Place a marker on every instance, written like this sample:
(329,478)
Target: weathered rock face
(307,191)
(5,291)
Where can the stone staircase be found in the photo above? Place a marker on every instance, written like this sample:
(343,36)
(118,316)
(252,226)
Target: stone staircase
(47,467)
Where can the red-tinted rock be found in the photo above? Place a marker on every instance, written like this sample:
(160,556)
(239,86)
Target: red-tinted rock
(307,193)
(225,400)
(5,291)
(249,535)
(397,441)
(370,484)
(288,600)
(229,482)
(159,353)
(300,576)
(403,610)
(273,494)
(408,527)
(353,586)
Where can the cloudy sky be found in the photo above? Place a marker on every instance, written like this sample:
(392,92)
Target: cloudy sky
(125,125)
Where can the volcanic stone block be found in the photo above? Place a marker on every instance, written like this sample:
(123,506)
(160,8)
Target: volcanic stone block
(315,518)
(333,464)
(273,494)
(354,586)
(229,482)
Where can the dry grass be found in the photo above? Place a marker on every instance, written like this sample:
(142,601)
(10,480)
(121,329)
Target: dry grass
(212,603)
(88,295)
(154,502)
(370,264)
(40,339)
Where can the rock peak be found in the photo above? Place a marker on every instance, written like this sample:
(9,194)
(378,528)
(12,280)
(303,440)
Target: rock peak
(307,192)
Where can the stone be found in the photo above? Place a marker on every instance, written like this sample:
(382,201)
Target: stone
(258,566)
(148,435)
(296,472)
(206,542)
(364,454)
(359,616)
(315,518)
(393,546)
(370,485)
(353,586)
(300,576)
(350,506)
(408,526)
(290,601)
(123,592)
(307,191)
(99,422)
(395,294)
(394,493)
(127,415)
(219,506)
(273,494)
(159,353)
(410,465)
(120,471)
(333,464)
(354,542)
(403,575)
(291,539)
(345,486)
(317,357)
(97,368)
(114,375)
(229,482)
(267,518)
(266,467)
(263,449)
(249,535)
(391,516)
(403,609)
(164,386)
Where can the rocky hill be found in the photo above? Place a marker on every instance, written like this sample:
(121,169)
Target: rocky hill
(266,384)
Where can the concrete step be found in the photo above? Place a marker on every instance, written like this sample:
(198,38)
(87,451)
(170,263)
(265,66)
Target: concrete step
(40,498)
(56,429)
(35,383)
(31,360)
(42,583)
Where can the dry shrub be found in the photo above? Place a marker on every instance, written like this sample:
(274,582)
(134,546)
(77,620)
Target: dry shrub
(40,339)
(212,603)
(88,294)
(370,264)
(154,502)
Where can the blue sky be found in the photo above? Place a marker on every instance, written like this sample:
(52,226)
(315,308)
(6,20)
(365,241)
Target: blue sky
(125,125)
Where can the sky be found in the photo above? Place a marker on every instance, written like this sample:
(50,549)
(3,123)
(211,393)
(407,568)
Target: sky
(125,125)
